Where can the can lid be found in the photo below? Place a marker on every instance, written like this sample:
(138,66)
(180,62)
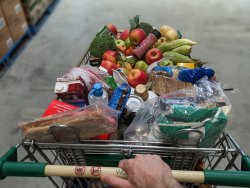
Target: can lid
(141,90)
(156,33)
(134,102)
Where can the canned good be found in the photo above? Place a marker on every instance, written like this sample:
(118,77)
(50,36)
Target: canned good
(142,91)
(134,102)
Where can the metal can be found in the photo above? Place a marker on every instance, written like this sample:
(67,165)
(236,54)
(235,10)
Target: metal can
(132,106)
(134,102)
(142,91)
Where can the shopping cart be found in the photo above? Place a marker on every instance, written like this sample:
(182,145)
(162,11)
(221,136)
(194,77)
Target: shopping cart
(79,164)
(68,161)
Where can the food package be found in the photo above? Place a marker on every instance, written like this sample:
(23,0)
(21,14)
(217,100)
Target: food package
(163,84)
(193,117)
(73,125)
(89,74)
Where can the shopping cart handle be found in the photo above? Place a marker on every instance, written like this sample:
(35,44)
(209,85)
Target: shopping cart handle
(227,178)
(10,155)
(10,167)
(245,163)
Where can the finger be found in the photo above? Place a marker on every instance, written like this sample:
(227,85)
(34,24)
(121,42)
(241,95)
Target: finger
(139,156)
(115,182)
(126,164)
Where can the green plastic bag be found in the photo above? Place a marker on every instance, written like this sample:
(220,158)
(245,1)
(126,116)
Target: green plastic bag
(210,121)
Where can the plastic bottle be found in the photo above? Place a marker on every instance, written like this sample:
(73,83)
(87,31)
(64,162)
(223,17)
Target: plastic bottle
(97,93)
(151,39)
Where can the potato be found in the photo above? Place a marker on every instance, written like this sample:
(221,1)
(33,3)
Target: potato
(164,29)
(171,34)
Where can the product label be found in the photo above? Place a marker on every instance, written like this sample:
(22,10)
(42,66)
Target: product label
(18,8)
(9,42)
(24,27)
(2,23)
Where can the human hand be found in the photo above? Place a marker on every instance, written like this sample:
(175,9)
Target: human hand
(145,171)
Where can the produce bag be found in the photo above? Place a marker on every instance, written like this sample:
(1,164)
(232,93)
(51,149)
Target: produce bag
(73,125)
(193,117)
(89,74)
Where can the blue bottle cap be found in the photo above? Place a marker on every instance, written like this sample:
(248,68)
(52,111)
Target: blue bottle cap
(97,90)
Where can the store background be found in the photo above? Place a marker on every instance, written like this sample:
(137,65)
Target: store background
(221,28)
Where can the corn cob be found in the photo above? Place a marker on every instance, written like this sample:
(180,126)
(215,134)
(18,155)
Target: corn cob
(168,46)
(184,50)
(176,57)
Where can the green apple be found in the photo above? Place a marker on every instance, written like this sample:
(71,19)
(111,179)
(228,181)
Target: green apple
(127,42)
(166,62)
(119,42)
(142,65)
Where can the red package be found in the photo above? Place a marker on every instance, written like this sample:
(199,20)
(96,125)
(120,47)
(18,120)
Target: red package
(56,107)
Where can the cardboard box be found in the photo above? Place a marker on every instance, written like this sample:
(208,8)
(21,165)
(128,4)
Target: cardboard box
(35,10)
(56,107)
(5,39)
(15,18)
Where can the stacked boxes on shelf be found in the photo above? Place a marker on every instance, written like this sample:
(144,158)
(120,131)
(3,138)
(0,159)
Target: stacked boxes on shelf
(34,9)
(15,18)
(5,38)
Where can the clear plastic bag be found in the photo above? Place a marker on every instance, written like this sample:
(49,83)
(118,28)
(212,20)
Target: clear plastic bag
(194,116)
(73,125)
(89,74)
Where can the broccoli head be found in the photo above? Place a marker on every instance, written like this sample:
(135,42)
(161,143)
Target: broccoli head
(101,44)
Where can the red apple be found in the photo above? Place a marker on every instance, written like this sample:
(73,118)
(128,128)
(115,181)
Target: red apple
(136,77)
(108,65)
(109,55)
(124,35)
(112,28)
(136,36)
(153,55)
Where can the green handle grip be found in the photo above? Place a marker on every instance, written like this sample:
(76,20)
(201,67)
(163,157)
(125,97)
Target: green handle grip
(10,167)
(227,178)
(245,163)
(24,169)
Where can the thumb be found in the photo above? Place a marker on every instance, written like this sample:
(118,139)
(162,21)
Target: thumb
(115,182)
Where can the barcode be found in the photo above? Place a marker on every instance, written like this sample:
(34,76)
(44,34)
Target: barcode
(18,8)
(9,42)
(2,23)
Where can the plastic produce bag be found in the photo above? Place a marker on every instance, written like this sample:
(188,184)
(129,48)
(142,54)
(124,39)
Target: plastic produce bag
(89,74)
(74,125)
(192,117)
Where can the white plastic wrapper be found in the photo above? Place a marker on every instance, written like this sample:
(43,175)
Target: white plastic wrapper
(89,74)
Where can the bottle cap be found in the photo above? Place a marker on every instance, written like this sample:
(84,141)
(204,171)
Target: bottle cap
(156,33)
(97,90)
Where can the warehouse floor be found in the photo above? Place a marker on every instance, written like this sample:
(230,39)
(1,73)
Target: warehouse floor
(221,28)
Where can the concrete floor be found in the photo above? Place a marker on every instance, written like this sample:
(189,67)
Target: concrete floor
(222,29)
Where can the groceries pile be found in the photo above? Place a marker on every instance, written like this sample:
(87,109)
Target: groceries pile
(142,78)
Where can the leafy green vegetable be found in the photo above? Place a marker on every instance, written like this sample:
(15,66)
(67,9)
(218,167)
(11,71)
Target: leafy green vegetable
(134,22)
(101,44)
(146,27)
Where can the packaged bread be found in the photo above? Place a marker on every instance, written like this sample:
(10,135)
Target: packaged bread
(77,124)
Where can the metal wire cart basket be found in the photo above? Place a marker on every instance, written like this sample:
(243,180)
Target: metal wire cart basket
(79,164)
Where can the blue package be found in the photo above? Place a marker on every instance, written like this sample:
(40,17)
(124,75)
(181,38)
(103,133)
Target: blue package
(164,68)
(122,93)
(193,75)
